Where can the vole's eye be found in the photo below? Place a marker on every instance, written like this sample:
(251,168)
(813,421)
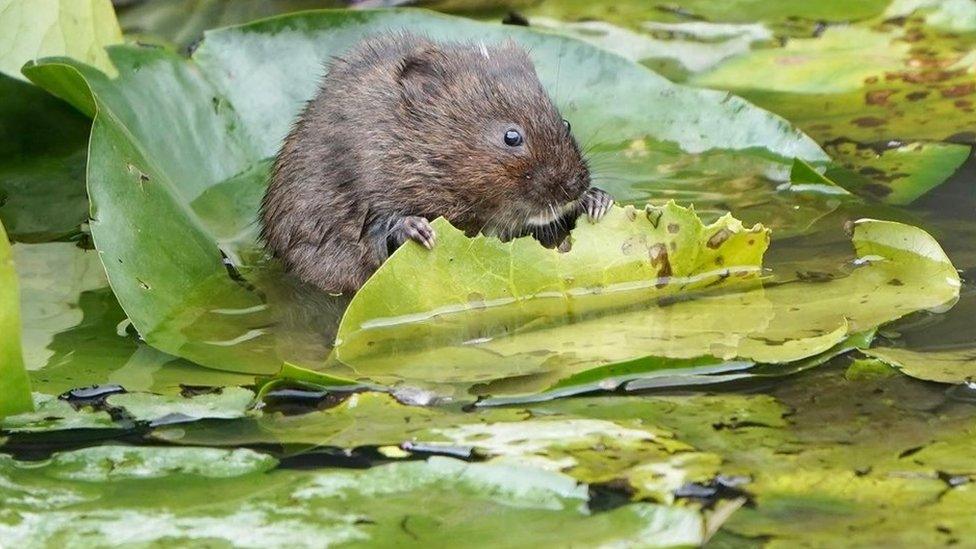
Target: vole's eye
(513,138)
(569,127)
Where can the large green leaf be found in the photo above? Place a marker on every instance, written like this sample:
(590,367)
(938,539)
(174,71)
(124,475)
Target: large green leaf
(174,186)
(14,385)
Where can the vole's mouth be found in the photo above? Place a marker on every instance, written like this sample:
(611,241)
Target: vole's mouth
(549,215)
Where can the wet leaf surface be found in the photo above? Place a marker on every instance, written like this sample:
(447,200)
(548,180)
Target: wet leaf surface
(409,504)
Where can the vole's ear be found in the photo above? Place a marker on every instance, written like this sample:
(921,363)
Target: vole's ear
(423,70)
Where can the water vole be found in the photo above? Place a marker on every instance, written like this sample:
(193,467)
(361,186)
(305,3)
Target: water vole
(404,130)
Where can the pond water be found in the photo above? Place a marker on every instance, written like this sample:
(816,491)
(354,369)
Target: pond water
(842,449)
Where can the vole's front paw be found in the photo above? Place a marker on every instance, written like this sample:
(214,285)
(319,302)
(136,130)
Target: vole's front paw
(414,228)
(596,203)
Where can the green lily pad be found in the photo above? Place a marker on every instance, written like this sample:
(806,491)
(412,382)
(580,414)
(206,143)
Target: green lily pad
(14,385)
(898,175)
(183,22)
(434,502)
(81,30)
(953,366)
(151,170)
(650,460)
(361,419)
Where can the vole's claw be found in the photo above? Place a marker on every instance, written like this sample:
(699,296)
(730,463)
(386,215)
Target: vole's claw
(596,202)
(419,230)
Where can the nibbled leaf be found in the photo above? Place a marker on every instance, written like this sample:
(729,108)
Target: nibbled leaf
(175,187)
(15,394)
(900,269)
(31,29)
(631,257)
(952,366)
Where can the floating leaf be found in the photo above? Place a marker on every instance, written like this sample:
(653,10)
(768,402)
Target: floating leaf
(897,175)
(952,366)
(74,28)
(15,394)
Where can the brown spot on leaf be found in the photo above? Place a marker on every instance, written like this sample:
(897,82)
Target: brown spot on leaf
(895,282)
(959,90)
(673,228)
(718,238)
(916,95)
(877,189)
(658,255)
(869,121)
(871,80)
(878,97)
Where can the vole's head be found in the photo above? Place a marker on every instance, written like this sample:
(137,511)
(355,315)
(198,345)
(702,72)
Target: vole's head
(491,132)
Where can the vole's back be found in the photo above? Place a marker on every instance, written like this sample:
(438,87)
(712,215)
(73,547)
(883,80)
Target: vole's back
(328,170)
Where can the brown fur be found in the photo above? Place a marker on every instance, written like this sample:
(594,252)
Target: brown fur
(403,126)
